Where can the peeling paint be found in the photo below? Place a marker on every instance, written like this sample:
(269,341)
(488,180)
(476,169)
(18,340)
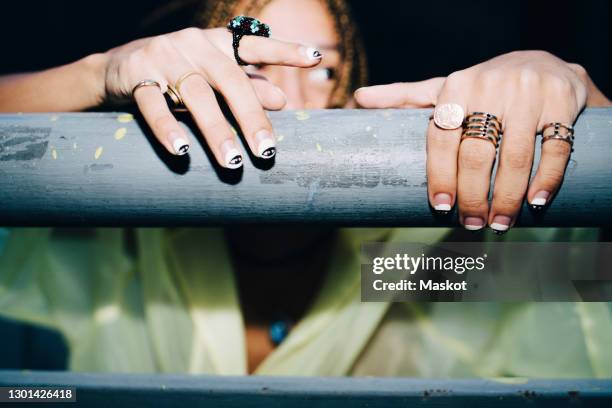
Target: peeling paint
(125,118)
(120,133)
(302,115)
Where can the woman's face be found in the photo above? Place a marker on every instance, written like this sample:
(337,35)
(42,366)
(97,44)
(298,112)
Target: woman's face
(307,22)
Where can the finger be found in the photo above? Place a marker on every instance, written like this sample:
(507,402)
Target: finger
(233,83)
(200,99)
(270,96)
(400,95)
(261,50)
(476,159)
(554,157)
(201,102)
(515,163)
(443,150)
(164,126)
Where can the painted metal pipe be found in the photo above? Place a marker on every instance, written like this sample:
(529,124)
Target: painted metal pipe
(341,167)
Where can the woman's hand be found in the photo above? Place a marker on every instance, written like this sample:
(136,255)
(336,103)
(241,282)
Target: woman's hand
(525,90)
(168,58)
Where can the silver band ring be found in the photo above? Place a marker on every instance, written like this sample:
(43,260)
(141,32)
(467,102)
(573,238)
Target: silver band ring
(558,131)
(146,82)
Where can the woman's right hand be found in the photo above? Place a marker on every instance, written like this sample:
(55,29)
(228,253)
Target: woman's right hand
(209,53)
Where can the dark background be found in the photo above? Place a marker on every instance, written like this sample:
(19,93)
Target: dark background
(425,38)
(405,40)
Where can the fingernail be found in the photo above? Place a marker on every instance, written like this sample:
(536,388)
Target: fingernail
(179,144)
(442,202)
(231,154)
(311,53)
(539,200)
(500,224)
(473,223)
(266,144)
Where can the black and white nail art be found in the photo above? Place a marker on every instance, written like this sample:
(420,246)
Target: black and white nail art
(180,146)
(231,155)
(313,53)
(268,153)
(235,162)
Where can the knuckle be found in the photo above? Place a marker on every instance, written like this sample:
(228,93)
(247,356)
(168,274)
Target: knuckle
(528,77)
(191,36)
(538,54)
(216,126)
(552,176)
(491,77)
(579,70)
(160,45)
(191,32)
(516,159)
(455,81)
(471,203)
(560,85)
(255,116)
(508,199)
(441,142)
(441,178)
(557,148)
(163,122)
(474,158)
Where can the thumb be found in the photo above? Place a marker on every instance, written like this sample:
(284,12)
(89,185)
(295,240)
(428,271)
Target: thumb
(422,94)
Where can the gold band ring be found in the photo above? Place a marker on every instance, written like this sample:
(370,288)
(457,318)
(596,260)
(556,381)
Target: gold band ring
(145,82)
(174,96)
(181,79)
(558,131)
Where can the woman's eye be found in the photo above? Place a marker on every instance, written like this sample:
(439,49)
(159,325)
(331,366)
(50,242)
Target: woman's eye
(322,74)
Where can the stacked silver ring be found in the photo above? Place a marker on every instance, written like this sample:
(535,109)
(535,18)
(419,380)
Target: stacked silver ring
(558,131)
(482,125)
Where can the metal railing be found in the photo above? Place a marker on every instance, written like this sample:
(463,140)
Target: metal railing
(131,390)
(343,167)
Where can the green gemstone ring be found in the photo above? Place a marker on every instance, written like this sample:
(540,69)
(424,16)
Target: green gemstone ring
(243,25)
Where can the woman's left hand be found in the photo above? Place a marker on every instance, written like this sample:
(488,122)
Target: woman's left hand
(526,90)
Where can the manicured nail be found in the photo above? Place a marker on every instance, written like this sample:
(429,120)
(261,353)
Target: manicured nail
(266,144)
(180,145)
(442,202)
(539,200)
(473,223)
(231,154)
(311,53)
(500,224)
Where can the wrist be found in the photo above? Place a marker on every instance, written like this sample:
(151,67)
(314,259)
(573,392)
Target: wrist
(594,96)
(93,68)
